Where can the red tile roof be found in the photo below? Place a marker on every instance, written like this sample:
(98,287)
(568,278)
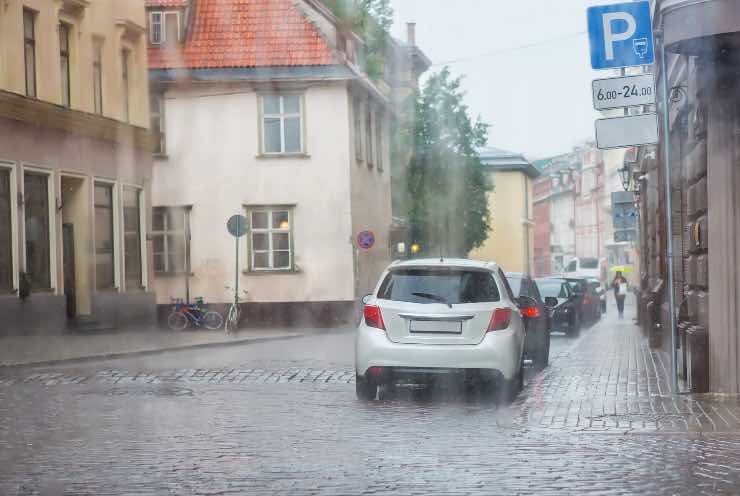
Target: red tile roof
(246,33)
(166,3)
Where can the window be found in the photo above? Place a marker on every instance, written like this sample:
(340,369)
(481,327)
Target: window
(379,141)
(270,239)
(29,50)
(572,266)
(357,106)
(155,28)
(164,27)
(98,77)
(171,27)
(370,154)
(6,234)
(132,238)
(104,247)
(125,85)
(282,124)
(156,114)
(64,62)
(169,234)
(36,207)
(442,285)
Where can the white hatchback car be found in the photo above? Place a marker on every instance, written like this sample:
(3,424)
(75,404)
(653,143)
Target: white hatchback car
(428,317)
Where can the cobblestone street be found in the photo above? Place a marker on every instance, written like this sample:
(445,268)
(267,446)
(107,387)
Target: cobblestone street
(281,417)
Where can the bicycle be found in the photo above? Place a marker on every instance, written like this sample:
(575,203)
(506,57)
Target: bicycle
(184,314)
(234,313)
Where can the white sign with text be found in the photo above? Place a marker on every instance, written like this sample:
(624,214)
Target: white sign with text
(626,91)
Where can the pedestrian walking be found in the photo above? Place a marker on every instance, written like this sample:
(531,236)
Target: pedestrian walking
(619,284)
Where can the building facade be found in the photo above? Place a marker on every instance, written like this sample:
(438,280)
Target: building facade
(75,165)
(272,118)
(510,241)
(542,259)
(702,43)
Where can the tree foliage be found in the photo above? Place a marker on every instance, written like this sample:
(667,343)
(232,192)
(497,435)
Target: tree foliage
(370,19)
(447,186)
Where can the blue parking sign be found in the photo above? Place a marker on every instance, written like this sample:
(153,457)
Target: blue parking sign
(620,35)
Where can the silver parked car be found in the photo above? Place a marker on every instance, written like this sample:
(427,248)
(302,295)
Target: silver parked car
(429,317)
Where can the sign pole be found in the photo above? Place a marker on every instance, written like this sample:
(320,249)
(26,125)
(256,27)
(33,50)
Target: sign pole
(236,267)
(669,209)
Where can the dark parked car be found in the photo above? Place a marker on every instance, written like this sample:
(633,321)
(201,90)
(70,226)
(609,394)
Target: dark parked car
(536,319)
(563,305)
(589,306)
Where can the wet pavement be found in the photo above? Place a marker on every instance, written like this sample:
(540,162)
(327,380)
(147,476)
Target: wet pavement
(281,417)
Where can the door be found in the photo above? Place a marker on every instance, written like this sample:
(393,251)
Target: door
(68,260)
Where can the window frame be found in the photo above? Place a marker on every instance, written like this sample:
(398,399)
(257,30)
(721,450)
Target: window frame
(165,232)
(282,116)
(358,119)
(65,54)
(160,23)
(159,115)
(14,258)
(269,231)
(116,229)
(369,136)
(379,121)
(51,202)
(97,67)
(141,223)
(29,43)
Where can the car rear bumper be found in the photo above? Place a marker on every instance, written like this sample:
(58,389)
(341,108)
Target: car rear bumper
(499,353)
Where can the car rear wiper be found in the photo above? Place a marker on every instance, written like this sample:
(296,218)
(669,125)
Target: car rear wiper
(433,297)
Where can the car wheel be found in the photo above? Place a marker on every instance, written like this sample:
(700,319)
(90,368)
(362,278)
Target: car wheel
(575,328)
(511,388)
(365,390)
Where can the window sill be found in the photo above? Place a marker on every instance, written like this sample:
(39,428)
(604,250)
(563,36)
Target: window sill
(165,275)
(270,272)
(160,156)
(282,155)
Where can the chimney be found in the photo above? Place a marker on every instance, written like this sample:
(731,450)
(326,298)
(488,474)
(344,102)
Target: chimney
(411,33)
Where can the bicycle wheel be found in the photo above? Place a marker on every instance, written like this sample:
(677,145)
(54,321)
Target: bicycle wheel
(177,321)
(233,319)
(213,320)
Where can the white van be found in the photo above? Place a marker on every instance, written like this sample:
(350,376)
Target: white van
(583,267)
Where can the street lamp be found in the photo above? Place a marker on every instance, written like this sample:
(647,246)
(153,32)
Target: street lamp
(626,174)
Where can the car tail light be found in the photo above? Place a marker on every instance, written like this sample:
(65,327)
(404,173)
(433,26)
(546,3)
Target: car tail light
(530,312)
(373,317)
(500,319)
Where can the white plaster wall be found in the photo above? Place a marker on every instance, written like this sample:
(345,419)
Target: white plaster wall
(212,143)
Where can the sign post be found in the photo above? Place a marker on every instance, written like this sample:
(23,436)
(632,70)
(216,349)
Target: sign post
(237,227)
(621,35)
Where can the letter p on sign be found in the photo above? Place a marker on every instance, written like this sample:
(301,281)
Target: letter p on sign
(620,35)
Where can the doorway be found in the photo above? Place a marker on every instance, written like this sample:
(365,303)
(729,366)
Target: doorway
(68,260)
(76,250)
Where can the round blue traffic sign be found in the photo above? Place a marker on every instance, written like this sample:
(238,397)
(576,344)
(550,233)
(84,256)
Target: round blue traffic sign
(366,239)
(237,225)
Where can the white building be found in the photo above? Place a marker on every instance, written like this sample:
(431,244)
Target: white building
(272,118)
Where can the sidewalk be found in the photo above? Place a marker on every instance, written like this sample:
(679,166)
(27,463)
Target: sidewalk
(49,350)
(610,380)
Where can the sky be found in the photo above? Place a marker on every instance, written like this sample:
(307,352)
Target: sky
(537,100)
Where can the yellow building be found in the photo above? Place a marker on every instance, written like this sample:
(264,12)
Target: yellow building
(75,164)
(510,240)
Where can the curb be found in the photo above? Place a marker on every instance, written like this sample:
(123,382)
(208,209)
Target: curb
(135,353)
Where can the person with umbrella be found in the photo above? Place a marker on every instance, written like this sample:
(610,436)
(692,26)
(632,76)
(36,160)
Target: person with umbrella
(619,285)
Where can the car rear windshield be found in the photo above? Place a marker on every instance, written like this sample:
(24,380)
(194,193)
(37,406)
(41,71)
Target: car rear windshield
(555,289)
(439,286)
(515,283)
(589,263)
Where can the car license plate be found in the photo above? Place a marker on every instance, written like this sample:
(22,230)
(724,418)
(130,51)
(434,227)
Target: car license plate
(435,327)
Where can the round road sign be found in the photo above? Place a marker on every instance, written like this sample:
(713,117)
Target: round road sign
(237,225)
(366,239)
